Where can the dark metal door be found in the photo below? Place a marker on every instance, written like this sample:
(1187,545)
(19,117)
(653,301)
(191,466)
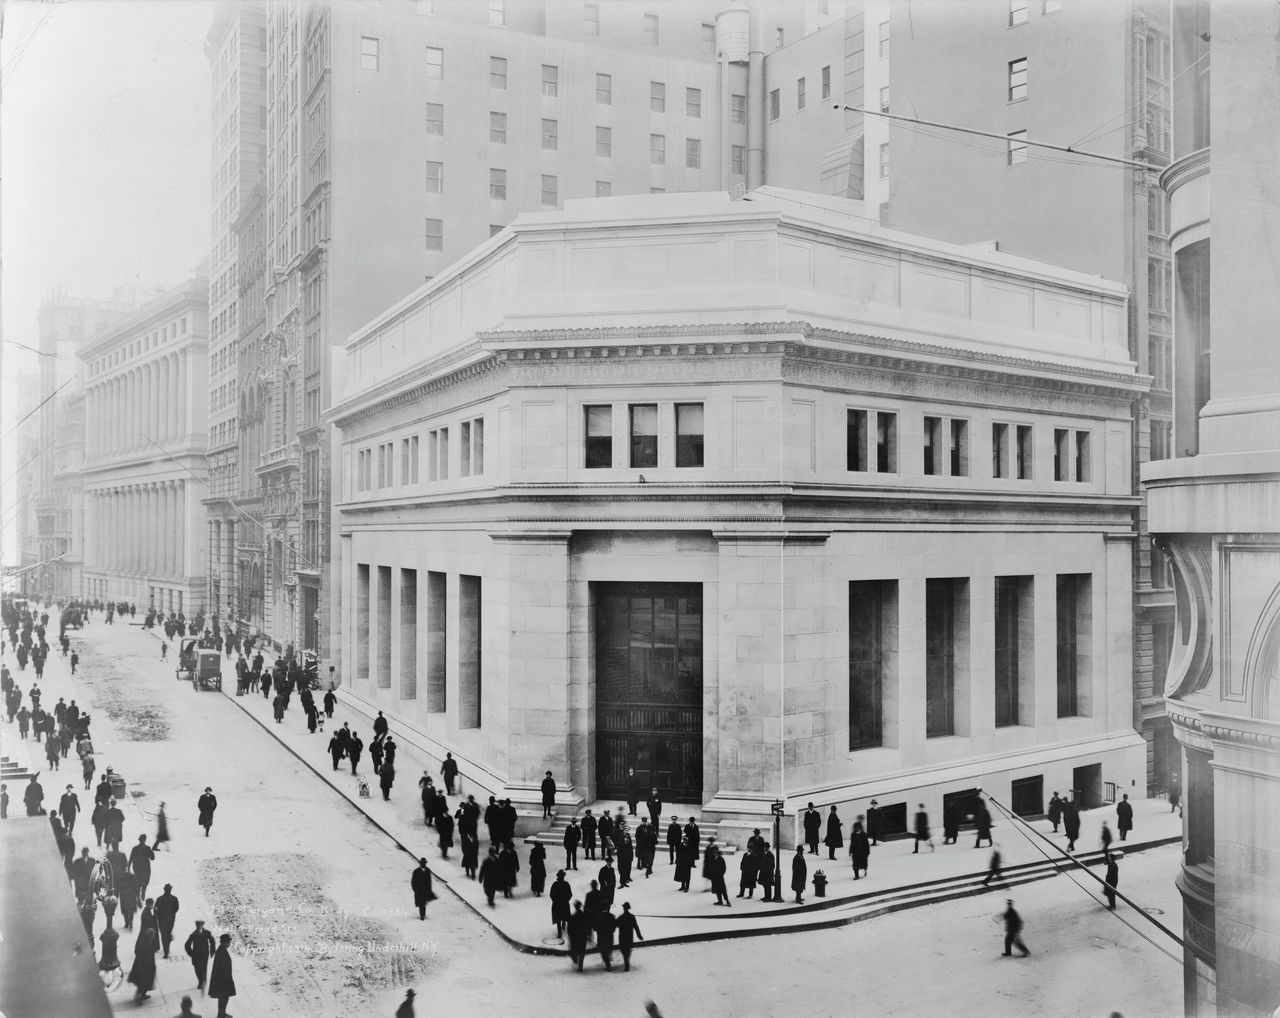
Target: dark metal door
(649,688)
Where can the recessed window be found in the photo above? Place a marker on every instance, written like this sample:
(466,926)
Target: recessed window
(497,72)
(1018,12)
(1052,6)
(690,429)
(738,109)
(856,451)
(435,62)
(498,127)
(591,19)
(657,97)
(644,435)
(707,38)
(738,159)
(435,235)
(884,39)
(435,119)
(435,178)
(604,89)
(498,184)
(693,102)
(775,104)
(693,154)
(651,29)
(884,160)
(1024,452)
(800,93)
(604,141)
(599,437)
(886,442)
(826,82)
(884,99)
(658,149)
(497,12)
(369,53)
(1017,147)
(550,80)
(603,189)
(550,190)
(550,135)
(779,38)
(1017,79)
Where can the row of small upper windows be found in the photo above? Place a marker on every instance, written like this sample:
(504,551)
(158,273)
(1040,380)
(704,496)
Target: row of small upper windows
(651,26)
(375,466)
(140,346)
(802,94)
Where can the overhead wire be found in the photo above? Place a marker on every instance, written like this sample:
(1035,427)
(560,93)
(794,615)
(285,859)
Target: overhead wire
(1093,135)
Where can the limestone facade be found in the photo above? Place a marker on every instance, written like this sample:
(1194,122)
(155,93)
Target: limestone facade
(757,497)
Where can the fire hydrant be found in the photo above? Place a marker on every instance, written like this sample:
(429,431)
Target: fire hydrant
(820,884)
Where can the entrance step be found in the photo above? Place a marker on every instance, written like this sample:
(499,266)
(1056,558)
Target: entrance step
(553,836)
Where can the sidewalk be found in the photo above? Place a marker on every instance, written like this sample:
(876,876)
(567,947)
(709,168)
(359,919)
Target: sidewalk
(897,879)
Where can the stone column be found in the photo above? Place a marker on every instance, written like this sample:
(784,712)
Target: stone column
(182,569)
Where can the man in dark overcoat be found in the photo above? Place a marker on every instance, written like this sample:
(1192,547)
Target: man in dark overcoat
(835,833)
(674,837)
(812,828)
(548,796)
(206,804)
(199,947)
(221,985)
(420,881)
(166,915)
(1124,817)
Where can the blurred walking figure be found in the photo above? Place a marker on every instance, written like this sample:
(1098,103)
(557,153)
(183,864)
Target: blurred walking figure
(1071,823)
(859,849)
(1106,837)
(982,821)
(993,868)
(1013,931)
(922,830)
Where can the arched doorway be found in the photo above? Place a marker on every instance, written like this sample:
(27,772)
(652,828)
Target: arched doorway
(648,639)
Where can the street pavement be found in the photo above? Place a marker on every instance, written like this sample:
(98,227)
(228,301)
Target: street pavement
(313,883)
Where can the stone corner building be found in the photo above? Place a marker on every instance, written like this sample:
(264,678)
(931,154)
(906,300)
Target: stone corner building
(756,497)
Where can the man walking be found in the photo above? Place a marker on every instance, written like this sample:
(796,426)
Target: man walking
(140,859)
(628,932)
(673,840)
(1013,931)
(835,836)
(166,915)
(449,771)
(873,822)
(199,947)
(68,809)
(1124,817)
(206,805)
(922,829)
(1055,811)
(221,985)
(993,868)
(1071,823)
(420,881)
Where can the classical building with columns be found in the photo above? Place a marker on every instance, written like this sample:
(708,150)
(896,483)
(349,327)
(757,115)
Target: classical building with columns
(1215,507)
(756,497)
(144,476)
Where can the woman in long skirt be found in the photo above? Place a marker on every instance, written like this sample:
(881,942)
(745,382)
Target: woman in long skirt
(143,973)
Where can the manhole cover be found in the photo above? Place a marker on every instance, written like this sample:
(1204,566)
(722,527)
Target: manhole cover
(552,941)
(1152,910)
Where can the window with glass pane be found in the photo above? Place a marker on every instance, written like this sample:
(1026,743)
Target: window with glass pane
(591,19)
(435,119)
(826,82)
(550,135)
(599,441)
(369,55)
(1017,150)
(886,443)
(435,178)
(497,72)
(689,434)
(1017,79)
(800,93)
(658,149)
(604,89)
(550,80)
(644,435)
(940,656)
(435,62)
(1018,12)
(692,153)
(604,141)
(1024,452)
(603,189)
(856,440)
(959,448)
(1073,616)
(737,109)
(738,159)
(651,29)
(707,38)
(775,104)
(1012,617)
(497,12)
(498,127)
(933,445)
(693,102)
(657,97)
(873,649)
(550,190)
(435,235)
(999,450)
(498,184)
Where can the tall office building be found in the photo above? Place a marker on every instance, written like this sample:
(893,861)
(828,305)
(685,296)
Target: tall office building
(1090,73)
(1215,507)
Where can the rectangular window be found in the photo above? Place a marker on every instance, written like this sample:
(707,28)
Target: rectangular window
(497,12)
(1017,12)
(775,104)
(826,82)
(800,93)
(498,127)
(435,178)
(603,189)
(464,449)
(1083,466)
(689,434)
(1000,450)
(604,89)
(884,160)
(1017,79)
(1061,454)
(873,654)
(435,235)
(658,149)
(386,465)
(693,102)
(884,39)
(409,460)
(707,38)
(469,643)
(1017,151)
(779,38)
(884,99)
(886,443)
(1074,637)
(738,159)
(477,447)
(604,141)
(591,19)
(408,634)
(856,440)
(644,435)
(945,646)
(599,437)
(435,119)
(1156,221)
(437,640)
(693,153)
(737,109)
(1013,649)
(362,620)
(1025,455)
(550,80)
(550,135)
(1052,6)
(384,627)
(369,53)
(1161,440)
(498,184)
(932,446)
(497,72)
(435,63)
(550,190)
(959,449)
(651,29)
(657,97)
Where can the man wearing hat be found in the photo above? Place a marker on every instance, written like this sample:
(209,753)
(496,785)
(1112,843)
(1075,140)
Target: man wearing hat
(812,828)
(405,1010)
(873,822)
(166,915)
(420,882)
(221,986)
(68,807)
(1112,878)
(206,804)
(674,838)
(199,946)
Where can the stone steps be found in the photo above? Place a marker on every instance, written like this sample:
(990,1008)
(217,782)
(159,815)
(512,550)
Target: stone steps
(553,836)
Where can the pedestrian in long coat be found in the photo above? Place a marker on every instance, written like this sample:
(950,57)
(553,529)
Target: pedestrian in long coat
(336,749)
(444,831)
(608,883)
(588,829)
(633,791)
(1124,817)
(1112,878)
(628,931)
(162,827)
(375,752)
(835,837)
(126,885)
(166,915)
(114,832)
(718,885)
(387,778)
(579,929)
(99,820)
(420,881)
(982,820)
(749,869)
(221,985)
(606,926)
(491,875)
(560,894)
(470,845)
(873,822)
(389,751)
(548,796)
(1055,811)
(68,809)
(674,837)
(330,701)
(655,809)
(199,946)
(140,859)
(1071,824)
(799,873)
(572,834)
(684,865)
(626,854)
(354,748)
(206,804)
(143,973)
(859,849)
(812,828)
(537,869)
(509,862)
(950,823)
(768,871)
(313,718)
(922,830)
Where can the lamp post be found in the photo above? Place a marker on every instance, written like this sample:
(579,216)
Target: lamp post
(776,808)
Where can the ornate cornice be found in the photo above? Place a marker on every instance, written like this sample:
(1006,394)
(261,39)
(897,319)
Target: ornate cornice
(1221,728)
